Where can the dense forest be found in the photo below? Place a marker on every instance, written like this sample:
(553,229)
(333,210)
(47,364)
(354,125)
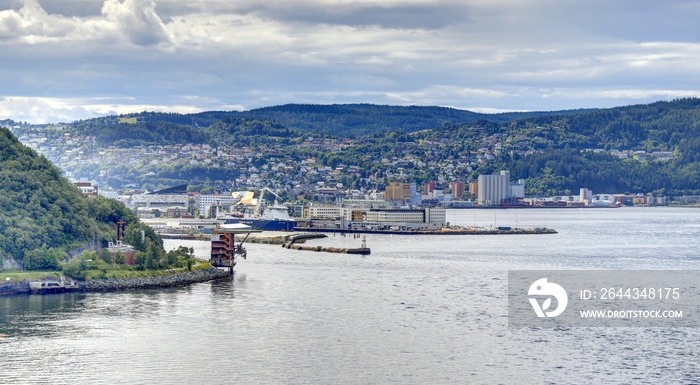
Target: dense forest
(42,214)
(122,134)
(340,120)
(241,132)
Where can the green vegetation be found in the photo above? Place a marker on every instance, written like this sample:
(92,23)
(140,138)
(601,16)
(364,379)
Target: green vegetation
(241,132)
(16,275)
(42,214)
(38,208)
(341,120)
(149,263)
(128,132)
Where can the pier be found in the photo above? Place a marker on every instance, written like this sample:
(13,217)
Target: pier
(291,244)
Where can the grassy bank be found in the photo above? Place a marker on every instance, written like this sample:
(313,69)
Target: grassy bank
(17,275)
(114,272)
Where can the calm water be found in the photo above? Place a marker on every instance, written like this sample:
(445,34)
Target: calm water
(419,310)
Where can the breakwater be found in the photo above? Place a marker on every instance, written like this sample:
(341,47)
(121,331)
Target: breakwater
(120,284)
(15,287)
(445,231)
(301,238)
(163,281)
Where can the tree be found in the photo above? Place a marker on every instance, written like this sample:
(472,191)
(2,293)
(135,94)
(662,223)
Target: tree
(119,258)
(190,258)
(44,259)
(106,256)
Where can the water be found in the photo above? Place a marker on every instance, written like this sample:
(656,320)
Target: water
(420,309)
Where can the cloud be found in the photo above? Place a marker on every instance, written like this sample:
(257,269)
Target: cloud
(67,57)
(73,8)
(30,23)
(403,14)
(47,110)
(137,20)
(134,19)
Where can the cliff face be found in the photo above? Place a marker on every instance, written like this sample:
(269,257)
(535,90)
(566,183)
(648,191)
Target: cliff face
(9,263)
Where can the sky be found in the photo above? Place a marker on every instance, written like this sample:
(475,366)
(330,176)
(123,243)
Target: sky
(63,60)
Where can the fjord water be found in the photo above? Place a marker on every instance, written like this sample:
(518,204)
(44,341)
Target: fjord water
(419,309)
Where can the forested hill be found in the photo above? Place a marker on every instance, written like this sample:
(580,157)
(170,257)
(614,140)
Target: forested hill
(340,120)
(660,126)
(41,212)
(641,148)
(354,120)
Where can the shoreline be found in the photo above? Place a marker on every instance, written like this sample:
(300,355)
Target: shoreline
(125,284)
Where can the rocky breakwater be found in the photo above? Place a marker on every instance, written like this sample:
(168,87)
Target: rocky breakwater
(164,281)
(301,238)
(15,287)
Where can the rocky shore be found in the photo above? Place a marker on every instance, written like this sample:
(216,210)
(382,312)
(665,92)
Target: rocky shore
(119,284)
(173,280)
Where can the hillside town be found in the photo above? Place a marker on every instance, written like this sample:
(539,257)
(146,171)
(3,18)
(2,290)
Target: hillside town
(290,171)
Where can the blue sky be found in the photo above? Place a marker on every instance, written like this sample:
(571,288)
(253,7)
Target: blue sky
(75,59)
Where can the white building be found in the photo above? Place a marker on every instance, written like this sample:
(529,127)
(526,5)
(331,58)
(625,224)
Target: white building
(160,200)
(395,215)
(517,190)
(435,215)
(493,189)
(330,212)
(205,202)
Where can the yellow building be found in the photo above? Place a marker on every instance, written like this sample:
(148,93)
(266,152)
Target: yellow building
(397,191)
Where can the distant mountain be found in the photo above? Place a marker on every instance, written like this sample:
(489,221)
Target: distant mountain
(340,120)
(7,123)
(354,120)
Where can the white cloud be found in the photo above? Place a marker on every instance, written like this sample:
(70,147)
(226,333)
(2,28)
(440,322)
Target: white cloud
(31,24)
(48,110)
(136,19)
(58,60)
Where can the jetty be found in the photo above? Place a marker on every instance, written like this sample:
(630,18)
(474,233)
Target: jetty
(53,286)
(301,238)
(443,231)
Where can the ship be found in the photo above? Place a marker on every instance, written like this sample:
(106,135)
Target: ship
(273,218)
(267,218)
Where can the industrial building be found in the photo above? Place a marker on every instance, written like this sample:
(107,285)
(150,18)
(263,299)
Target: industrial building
(494,190)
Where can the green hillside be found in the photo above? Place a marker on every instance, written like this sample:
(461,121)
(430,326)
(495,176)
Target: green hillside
(240,132)
(356,120)
(127,132)
(641,148)
(341,120)
(42,214)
